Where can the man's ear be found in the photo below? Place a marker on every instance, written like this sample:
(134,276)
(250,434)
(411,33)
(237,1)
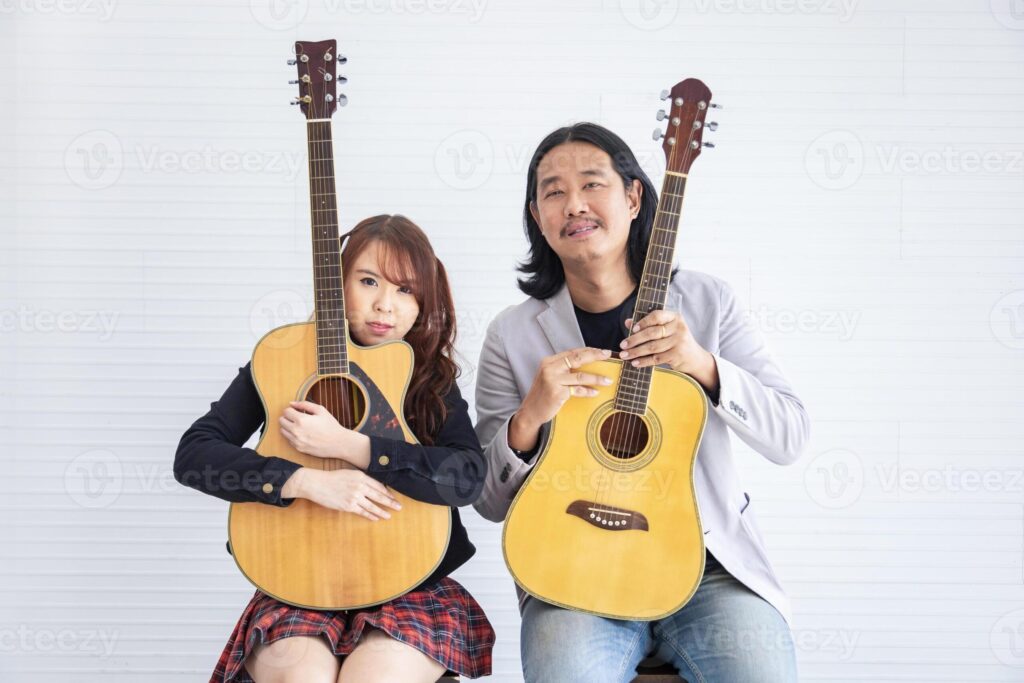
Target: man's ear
(533,212)
(634,194)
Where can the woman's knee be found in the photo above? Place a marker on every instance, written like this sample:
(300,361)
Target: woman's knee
(299,659)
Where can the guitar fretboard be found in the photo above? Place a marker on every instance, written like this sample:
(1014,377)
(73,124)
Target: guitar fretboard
(635,383)
(328,284)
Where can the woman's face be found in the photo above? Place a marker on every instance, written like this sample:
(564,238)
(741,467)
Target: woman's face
(377,309)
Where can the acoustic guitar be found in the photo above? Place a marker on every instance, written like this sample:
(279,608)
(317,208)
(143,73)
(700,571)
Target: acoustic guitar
(607,522)
(305,554)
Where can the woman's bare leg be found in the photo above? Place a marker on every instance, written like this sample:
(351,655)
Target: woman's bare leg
(379,658)
(299,659)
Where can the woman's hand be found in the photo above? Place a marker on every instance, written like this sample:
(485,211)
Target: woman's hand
(349,490)
(311,429)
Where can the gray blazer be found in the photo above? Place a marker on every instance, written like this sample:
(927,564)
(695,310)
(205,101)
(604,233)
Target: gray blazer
(756,403)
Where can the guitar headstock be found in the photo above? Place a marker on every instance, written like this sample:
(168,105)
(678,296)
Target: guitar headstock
(318,80)
(689,102)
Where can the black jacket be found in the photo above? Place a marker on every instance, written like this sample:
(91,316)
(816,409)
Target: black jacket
(211,459)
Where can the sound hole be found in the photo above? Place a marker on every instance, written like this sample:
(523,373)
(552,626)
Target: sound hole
(624,435)
(342,397)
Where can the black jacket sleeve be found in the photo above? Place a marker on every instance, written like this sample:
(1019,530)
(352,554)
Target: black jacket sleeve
(451,472)
(210,457)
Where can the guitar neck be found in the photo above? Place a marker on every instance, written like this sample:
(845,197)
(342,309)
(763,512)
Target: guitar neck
(328,282)
(635,383)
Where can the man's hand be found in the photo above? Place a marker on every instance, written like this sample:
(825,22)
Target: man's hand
(663,337)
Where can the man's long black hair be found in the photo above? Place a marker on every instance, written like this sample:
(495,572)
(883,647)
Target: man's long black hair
(542,269)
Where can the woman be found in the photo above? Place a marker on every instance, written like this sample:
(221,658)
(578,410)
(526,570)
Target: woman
(395,288)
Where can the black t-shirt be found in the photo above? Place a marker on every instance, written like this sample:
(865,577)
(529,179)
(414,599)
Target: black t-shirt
(607,329)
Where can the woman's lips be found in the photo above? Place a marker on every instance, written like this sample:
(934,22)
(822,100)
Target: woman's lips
(379,328)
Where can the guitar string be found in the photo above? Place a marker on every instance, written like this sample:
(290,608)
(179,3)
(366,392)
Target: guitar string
(662,268)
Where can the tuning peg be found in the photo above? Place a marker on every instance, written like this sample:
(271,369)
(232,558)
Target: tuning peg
(292,62)
(342,59)
(664,94)
(295,82)
(712,125)
(715,105)
(341,80)
(342,100)
(305,99)
(657,134)
(662,115)
(709,145)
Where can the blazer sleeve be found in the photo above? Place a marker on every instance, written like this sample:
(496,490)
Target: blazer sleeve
(754,398)
(497,400)
(451,472)
(210,456)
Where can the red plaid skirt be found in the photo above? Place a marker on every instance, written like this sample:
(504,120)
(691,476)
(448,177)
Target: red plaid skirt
(443,622)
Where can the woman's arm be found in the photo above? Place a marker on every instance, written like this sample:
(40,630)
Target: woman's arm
(210,457)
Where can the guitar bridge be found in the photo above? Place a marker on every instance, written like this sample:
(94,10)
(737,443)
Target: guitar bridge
(606,516)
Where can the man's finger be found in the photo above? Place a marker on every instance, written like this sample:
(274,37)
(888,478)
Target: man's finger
(578,357)
(586,379)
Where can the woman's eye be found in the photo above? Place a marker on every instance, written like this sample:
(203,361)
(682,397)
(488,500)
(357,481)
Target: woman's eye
(369,281)
(405,290)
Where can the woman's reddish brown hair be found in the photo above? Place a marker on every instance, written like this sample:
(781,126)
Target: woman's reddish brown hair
(407,259)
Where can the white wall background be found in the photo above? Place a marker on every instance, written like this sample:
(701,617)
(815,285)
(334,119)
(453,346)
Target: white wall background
(865,199)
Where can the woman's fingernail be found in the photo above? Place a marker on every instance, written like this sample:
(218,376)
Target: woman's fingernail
(606,380)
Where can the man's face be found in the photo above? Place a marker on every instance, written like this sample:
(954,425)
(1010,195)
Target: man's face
(582,207)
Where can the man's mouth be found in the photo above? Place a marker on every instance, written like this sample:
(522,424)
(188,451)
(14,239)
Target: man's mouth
(581,229)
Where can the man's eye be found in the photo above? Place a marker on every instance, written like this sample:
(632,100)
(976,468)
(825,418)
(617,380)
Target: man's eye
(594,184)
(552,193)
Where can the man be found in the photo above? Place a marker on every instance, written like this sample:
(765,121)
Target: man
(588,214)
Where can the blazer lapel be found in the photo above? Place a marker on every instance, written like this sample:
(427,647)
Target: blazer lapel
(559,324)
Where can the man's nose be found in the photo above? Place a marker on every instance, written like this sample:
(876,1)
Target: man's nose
(575,203)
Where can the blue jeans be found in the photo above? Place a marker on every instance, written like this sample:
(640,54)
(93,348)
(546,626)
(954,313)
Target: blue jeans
(726,633)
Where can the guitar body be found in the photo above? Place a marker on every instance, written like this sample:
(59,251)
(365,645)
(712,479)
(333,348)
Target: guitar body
(308,555)
(609,532)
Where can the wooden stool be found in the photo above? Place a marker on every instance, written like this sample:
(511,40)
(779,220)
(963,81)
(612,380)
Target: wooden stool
(662,673)
(665,673)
